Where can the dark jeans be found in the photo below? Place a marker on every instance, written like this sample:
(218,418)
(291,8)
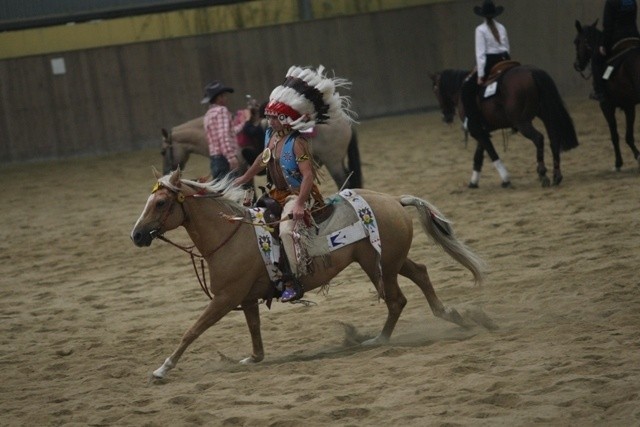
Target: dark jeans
(598,65)
(219,166)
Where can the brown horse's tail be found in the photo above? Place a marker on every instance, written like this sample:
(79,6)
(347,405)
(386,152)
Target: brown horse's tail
(439,228)
(554,113)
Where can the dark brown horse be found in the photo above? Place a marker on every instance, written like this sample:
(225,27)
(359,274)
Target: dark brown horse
(523,93)
(622,89)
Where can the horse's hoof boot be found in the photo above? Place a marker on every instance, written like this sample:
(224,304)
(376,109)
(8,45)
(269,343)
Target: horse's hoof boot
(473,185)
(506,184)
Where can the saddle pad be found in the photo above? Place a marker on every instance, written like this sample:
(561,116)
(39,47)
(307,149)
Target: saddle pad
(268,246)
(349,223)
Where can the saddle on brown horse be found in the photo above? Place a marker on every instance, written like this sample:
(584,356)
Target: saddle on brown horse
(498,70)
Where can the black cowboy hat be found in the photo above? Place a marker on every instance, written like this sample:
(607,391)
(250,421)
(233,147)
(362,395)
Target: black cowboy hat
(214,89)
(488,9)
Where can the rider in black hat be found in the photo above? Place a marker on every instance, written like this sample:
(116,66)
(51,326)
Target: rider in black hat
(219,130)
(491,47)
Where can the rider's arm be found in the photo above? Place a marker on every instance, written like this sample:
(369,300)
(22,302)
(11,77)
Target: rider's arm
(305,164)
(253,170)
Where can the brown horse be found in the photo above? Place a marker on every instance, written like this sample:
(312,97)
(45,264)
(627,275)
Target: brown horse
(332,143)
(622,89)
(523,93)
(238,274)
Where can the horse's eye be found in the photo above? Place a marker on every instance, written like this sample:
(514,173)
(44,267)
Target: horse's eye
(161,203)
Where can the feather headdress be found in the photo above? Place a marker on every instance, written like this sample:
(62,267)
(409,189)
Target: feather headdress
(308,97)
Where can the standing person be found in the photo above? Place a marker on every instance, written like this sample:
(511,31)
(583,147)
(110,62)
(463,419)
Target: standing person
(220,132)
(491,47)
(618,23)
(306,97)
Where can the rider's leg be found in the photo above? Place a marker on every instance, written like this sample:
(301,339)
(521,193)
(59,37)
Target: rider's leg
(597,70)
(292,290)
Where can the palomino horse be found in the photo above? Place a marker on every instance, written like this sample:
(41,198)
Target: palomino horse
(239,278)
(622,89)
(523,93)
(331,143)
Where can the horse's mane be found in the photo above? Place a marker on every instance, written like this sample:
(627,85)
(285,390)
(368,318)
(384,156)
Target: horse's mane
(451,81)
(222,189)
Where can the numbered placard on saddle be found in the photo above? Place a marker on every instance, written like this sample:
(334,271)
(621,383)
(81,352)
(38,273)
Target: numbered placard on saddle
(607,72)
(490,90)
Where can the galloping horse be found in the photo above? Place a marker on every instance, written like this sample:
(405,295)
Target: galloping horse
(524,92)
(622,89)
(239,278)
(331,143)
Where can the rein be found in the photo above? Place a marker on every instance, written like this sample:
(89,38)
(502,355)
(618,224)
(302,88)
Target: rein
(189,249)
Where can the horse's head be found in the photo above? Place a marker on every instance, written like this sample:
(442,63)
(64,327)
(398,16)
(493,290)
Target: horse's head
(446,101)
(168,156)
(586,43)
(163,211)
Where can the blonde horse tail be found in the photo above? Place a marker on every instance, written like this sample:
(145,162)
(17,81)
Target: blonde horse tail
(439,228)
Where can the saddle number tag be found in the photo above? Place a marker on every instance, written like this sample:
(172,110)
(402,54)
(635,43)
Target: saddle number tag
(490,90)
(607,73)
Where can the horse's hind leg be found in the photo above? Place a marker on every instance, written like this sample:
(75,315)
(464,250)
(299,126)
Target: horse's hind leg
(528,131)
(393,298)
(418,274)
(218,307)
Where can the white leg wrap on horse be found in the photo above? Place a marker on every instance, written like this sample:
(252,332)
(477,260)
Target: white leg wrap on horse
(161,372)
(502,170)
(475,177)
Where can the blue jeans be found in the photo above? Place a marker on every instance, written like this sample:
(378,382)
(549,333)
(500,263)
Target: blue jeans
(219,166)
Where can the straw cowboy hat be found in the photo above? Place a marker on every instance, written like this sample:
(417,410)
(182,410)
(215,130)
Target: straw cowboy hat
(488,9)
(214,89)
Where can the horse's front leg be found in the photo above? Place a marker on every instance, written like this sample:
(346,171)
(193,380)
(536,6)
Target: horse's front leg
(630,115)
(478,159)
(218,307)
(609,112)
(252,315)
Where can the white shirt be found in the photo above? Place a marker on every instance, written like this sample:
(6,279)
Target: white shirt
(487,44)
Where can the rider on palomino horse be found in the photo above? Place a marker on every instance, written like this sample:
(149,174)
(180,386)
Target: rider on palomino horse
(306,98)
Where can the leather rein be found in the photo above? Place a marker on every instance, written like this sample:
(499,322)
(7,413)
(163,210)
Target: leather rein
(180,198)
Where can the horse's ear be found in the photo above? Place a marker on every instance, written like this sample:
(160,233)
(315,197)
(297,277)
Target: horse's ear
(165,134)
(175,177)
(156,173)
(578,26)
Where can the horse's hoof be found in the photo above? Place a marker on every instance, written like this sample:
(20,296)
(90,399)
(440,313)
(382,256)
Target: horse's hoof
(473,185)
(250,360)
(506,184)
(544,180)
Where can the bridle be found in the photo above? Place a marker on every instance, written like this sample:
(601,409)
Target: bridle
(180,198)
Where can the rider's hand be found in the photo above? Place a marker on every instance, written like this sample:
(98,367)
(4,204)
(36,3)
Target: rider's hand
(602,51)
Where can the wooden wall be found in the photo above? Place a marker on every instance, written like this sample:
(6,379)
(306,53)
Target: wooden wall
(116,99)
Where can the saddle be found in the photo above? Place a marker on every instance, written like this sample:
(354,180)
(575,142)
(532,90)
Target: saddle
(621,48)
(273,211)
(497,70)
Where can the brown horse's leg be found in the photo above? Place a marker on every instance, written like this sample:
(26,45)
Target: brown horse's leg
(218,307)
(630,116)
(418,274)
(528,131)
(252,315)
(609,112)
